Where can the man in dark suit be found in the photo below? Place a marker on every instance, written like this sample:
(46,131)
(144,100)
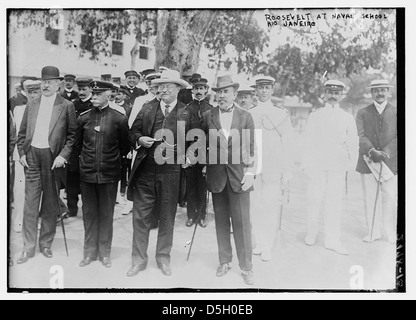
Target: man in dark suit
(81,104)
(230,175)
(132,80)
(45,142)
(159,135)
(69,92)
(377,129)
(196,187)
(102,140)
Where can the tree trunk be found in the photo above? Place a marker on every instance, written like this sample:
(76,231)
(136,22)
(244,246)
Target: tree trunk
(180,34)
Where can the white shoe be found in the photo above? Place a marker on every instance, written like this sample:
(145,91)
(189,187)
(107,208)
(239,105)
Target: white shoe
(338,249)
(257,250)
(266,255)
(310,239)
(368,238)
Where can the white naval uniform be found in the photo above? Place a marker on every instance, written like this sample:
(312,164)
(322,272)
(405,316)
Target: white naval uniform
(331,149)
(274,145)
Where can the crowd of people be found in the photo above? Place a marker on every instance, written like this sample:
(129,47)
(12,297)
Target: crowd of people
(158,141)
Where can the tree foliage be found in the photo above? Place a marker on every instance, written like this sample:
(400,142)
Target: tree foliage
(344,52)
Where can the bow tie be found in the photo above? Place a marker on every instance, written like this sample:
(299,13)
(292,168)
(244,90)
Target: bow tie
(227,110)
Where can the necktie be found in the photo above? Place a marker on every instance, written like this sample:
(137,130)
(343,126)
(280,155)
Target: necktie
(167,110)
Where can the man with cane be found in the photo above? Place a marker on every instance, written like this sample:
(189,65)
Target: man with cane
(377,129)
(45,142)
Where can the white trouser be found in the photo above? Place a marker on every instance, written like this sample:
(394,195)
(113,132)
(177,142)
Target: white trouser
(325,186)
(386,210)
(19,195)
(265,211)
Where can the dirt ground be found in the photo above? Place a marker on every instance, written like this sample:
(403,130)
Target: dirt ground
(295,266)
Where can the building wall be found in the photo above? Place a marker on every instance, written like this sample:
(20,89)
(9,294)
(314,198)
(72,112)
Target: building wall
(29,52)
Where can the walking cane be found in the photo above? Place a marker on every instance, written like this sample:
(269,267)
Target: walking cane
(375,202)
(62,218)
(193,236)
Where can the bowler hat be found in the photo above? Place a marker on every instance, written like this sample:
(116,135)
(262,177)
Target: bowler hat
(380,83)
(50,73)
(171,76)
(225,82)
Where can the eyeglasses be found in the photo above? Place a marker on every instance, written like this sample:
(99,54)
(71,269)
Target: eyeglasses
(163,137)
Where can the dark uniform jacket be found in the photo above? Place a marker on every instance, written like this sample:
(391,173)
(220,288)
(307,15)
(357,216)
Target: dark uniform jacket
(133,94)
(379,132)
(73,95)
(80,107)
(102,139)
(196,109)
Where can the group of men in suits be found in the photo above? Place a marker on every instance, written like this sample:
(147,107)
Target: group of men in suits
(228,150)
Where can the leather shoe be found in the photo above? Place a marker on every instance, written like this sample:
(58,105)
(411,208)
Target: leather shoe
(165,268)
(106,261)
(248,277)
(190,222)
(135,269)
(223,269)
(203,223)
(24,257)
(47,253)
(86,261)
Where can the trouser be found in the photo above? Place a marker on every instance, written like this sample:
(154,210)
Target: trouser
(385,218)
(125,172)
(233,208)
(157,190)
(327,187)
(73,189)
(196,193)
(12,180)
(19,194)
(39,183)
(98,201)
(266,210)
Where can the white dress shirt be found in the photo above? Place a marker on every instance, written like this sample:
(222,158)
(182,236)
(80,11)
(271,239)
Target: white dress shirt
(171,106)
(226,119)
(41,134)
(380,107)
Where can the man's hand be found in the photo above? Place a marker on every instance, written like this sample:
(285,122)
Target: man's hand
(184,160)
(247,182)
(146,142)
(129,155)
(23,161)
(59,162)
(377,156)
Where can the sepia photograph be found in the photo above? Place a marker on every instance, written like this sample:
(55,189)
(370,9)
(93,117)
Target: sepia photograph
(205,150)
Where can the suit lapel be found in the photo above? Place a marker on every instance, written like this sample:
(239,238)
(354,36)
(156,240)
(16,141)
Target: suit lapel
(56,112)
(151,117)
(235,123)
(33,115)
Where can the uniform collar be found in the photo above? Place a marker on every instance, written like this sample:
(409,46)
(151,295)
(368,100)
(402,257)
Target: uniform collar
(331,106)
(87,98)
